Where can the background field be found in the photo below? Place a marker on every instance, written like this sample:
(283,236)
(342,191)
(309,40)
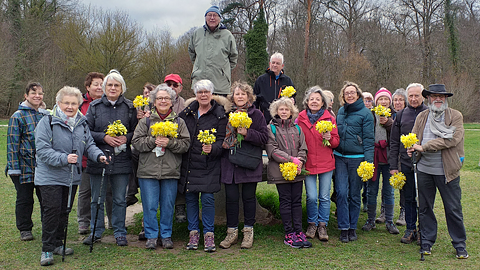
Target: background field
(373,250)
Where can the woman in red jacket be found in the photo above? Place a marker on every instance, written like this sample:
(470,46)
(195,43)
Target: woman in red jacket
(320,161)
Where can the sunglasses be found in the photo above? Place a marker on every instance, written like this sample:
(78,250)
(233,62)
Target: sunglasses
(174,84)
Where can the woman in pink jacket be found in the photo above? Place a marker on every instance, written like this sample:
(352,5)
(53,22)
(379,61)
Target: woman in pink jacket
(320,161)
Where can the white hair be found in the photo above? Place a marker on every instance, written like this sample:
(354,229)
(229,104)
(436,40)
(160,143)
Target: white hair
(414,85)
(276,55)
(203,85)
(69,91)
(115,75)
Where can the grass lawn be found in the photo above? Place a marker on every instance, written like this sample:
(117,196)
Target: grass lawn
(373,250)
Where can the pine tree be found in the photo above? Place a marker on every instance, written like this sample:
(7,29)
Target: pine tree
(256,48)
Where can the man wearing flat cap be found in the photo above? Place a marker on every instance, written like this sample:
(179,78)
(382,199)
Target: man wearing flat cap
(213,52)
(440,133)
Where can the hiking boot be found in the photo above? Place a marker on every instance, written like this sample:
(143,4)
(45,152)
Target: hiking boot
(47,259)
(141,235)
(322,231)
(83,230)
(462,253)
(151,243)
(303,238)
(426,249)
(292,240)
(209,239)
(311,230)
(180,214)
(121,241)
(409,236)
(344,236)
(369,225)
(88,240)
(247,238)
(401,218)
(352,235)
(26,235)
(381,218)
(131,200)
(193,242)
(230,239)
(167,243)
(391,228)
(59,251)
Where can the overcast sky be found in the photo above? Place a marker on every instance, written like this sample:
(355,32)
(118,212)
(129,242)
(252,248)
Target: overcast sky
(178,16)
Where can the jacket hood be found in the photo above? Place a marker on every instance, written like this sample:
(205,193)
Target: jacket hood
(219,27)
(223,101)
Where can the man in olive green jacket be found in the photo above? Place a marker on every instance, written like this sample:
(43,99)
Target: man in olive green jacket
(213,52)
(440,133)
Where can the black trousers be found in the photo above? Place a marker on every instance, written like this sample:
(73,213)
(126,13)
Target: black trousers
(249,201)
(410,193)
(290,197)
(24,203)
(54,200)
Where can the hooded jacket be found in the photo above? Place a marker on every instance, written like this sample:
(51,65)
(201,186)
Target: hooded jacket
(201,173)
(320,158)
(355,128)
(286,144)
(452,150)
(54,142)
(21,142)
(166,166)
(267,88)
(102,113)
(214,55)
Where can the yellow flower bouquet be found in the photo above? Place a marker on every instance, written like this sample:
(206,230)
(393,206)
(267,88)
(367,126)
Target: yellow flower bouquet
(397,180)
(240,119)
(324,126)
(289,91)
(207,137)
(114,130)
(382,111)
(163,129)
(409,140)
(365,170)
(289,171)
(140,102)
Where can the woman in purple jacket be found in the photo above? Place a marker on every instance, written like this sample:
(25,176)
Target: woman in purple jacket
(242,97)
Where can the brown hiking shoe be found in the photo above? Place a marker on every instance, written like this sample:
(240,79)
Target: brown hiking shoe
(311,230)
(247,238)
(409,236)
(230,239)
(322,231)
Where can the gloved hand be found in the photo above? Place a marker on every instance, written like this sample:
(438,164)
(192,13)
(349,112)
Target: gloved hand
(298,163)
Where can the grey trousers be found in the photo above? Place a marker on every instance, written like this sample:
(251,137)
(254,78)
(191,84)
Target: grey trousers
(451,194)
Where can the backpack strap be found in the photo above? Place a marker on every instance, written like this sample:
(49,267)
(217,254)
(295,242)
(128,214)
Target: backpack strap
(274,129)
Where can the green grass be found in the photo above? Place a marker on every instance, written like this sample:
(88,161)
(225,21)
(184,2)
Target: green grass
(374,250)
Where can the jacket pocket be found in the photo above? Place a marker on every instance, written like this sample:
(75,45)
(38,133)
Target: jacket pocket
(359,139)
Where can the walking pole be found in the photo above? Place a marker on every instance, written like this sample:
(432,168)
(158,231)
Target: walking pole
(414,161)
(69,207)
(98,202)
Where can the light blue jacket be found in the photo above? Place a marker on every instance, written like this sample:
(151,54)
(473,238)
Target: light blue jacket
(54,141)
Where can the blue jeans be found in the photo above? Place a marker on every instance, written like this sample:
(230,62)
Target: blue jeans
(348,185)
(153,192)
(318,210)
(208,211)
(387,189)
(118,183)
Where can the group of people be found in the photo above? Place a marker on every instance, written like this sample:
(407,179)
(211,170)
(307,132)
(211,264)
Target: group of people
(49,150)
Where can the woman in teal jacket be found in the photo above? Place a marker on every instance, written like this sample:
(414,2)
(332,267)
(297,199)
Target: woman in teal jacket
(357,140)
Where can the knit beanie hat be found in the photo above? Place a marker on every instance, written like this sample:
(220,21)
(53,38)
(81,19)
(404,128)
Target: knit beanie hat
(213,9)
(383,92)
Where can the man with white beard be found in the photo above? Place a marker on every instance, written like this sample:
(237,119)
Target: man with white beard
(440,133)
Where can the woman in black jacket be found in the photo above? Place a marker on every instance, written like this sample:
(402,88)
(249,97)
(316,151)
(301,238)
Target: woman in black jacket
(201,164)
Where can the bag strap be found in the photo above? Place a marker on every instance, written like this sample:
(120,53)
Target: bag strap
(274,130)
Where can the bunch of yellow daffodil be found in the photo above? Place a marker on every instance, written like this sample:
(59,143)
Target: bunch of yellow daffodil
(240,119)
(289,91)
(140,102)
(116,129)
(397,180)
(288,170)
(207,137)
(365,170)
(324,126)
(382,111)
(165,129)
(409,140)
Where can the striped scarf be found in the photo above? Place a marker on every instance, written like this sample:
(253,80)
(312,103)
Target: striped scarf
(231,132)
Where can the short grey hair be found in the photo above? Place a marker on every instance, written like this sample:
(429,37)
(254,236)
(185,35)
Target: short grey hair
(312,90)
(115,75)
(329,95)
(414,85)
(401,92)
(203,85)
(69,91)
(162,87)
(284,101)
(276,55)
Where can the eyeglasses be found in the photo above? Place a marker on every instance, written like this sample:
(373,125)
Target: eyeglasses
(163,98)
(353,93)
(174,84)
(68,104)
(435,96)
(368,101)
(212,15)
(201,93)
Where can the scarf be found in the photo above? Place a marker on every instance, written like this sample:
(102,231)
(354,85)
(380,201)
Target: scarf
(70,121)
(163,116)
(438,127)
(313,117)
(231,132)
